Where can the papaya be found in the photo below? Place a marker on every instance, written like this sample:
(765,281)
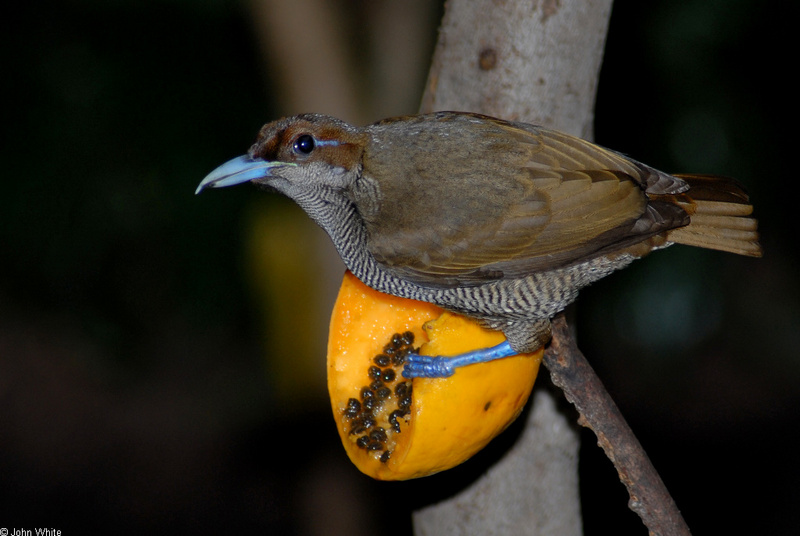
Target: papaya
(394,428)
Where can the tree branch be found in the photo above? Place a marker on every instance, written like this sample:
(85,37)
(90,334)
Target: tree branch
(649,497)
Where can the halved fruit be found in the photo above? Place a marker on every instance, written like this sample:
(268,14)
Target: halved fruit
(396,429)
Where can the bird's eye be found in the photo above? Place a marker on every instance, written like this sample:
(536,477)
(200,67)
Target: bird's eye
(304,144)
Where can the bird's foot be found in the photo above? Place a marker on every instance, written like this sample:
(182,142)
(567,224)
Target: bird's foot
(426,366)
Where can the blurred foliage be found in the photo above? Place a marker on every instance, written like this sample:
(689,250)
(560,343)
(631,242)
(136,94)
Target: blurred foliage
(132,376)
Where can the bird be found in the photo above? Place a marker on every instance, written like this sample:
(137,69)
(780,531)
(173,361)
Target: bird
(501,221)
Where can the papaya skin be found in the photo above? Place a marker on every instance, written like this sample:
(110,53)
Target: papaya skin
(450,419)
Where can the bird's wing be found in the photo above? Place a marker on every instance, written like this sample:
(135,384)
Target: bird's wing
(518,200)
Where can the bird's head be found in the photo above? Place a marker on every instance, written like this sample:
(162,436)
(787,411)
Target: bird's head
(296,155)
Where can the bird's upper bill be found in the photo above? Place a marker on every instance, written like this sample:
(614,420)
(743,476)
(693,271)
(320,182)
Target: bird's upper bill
(244,168)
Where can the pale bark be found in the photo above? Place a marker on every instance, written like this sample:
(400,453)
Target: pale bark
(524,60)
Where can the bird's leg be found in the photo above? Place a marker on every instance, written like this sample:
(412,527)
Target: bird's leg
(528,337)
(427,366)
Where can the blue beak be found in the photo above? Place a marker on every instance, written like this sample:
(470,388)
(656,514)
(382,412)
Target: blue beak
(244,168)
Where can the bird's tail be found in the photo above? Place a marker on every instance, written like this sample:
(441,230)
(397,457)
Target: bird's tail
(721,216)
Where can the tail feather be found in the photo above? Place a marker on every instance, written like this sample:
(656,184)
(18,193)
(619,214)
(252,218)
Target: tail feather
(720,213)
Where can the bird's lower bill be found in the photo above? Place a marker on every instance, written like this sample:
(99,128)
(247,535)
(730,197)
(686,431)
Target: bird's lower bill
(393,428)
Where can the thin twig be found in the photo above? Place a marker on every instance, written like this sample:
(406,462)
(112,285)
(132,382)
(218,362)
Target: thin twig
(649,497)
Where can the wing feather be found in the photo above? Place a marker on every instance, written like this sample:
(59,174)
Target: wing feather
(509,199)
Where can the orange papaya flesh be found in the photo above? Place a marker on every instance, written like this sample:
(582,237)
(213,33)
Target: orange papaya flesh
(393,428)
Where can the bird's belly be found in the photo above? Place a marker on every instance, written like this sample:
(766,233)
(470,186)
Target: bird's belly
(535,296)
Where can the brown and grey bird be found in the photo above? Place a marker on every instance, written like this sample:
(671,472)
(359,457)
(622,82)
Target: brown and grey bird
(500,221)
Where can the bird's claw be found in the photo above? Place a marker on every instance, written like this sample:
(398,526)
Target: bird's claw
(426,366)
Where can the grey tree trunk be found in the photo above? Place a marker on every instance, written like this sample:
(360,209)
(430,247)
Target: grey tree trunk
(534,61)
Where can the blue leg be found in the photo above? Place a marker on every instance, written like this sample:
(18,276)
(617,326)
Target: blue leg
(427,366)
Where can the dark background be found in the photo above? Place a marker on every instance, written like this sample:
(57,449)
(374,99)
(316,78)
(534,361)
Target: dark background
(140,388)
